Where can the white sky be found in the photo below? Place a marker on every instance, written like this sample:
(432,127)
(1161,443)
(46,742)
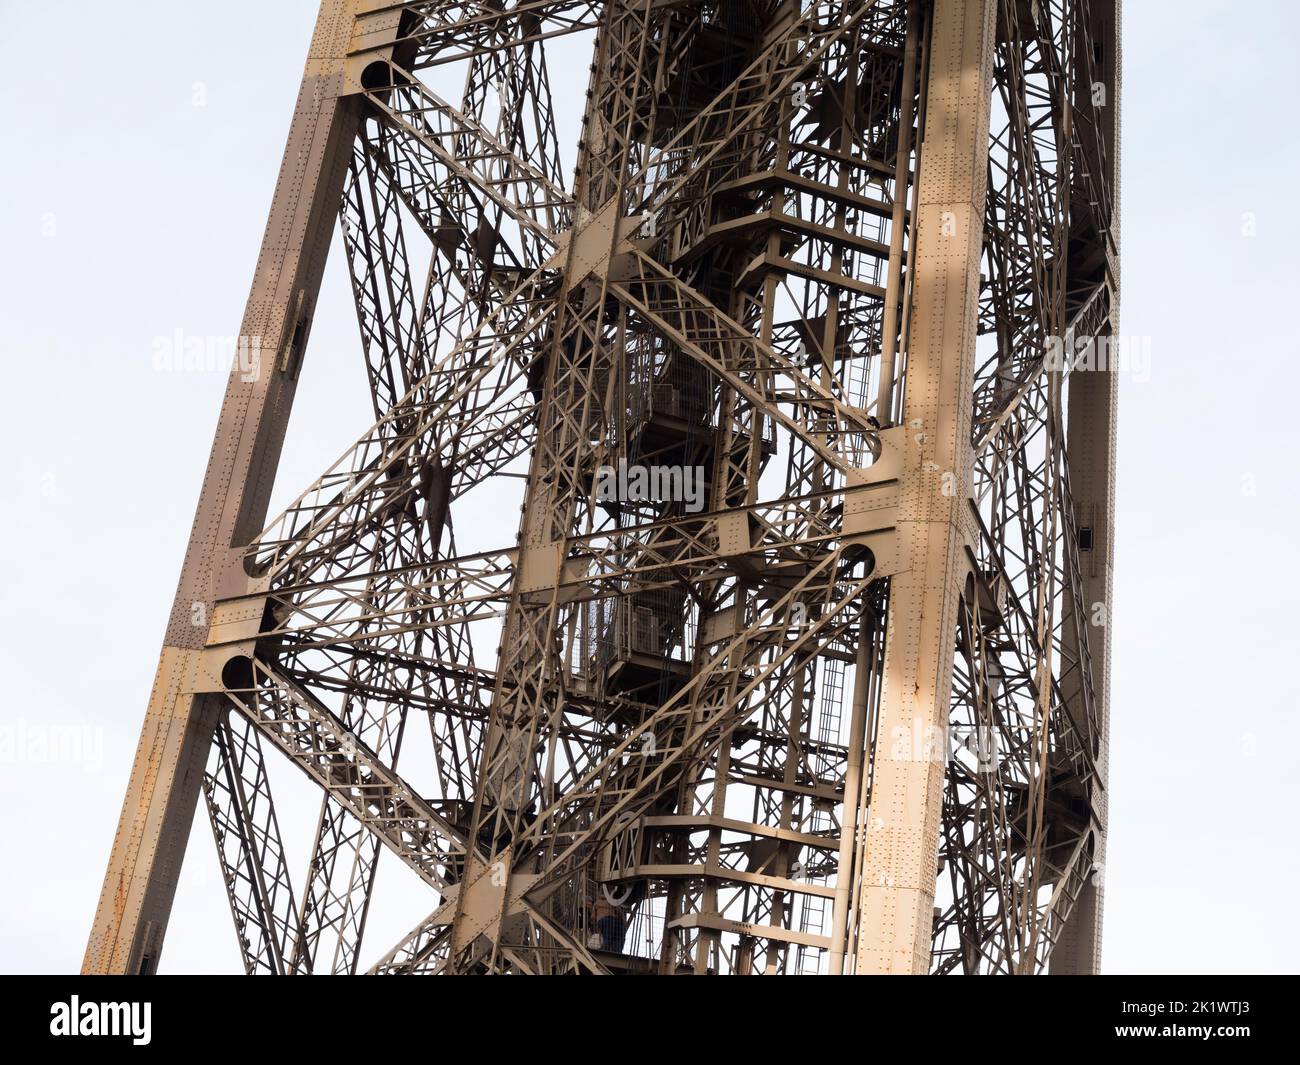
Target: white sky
(129,213)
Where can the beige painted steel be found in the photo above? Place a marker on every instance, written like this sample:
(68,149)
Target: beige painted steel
(145,862)
(902,822)
(920,531)
(1091,454)
(1091,457)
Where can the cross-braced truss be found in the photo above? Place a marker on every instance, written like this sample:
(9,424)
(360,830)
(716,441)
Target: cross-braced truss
(657,718)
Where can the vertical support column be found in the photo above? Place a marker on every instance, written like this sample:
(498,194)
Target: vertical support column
(853,791)
(157,812)
(902,825)
(1090,451)
(902,194)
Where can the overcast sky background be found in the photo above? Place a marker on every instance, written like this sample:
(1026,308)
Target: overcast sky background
(138,165)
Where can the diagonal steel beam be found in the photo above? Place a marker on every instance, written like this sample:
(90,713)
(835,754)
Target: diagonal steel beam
(448,33)
(429,132)
(140,882)
(321,745)
(237,794)
(754,369)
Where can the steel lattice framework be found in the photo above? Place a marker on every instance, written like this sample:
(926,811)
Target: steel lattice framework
(848,714)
